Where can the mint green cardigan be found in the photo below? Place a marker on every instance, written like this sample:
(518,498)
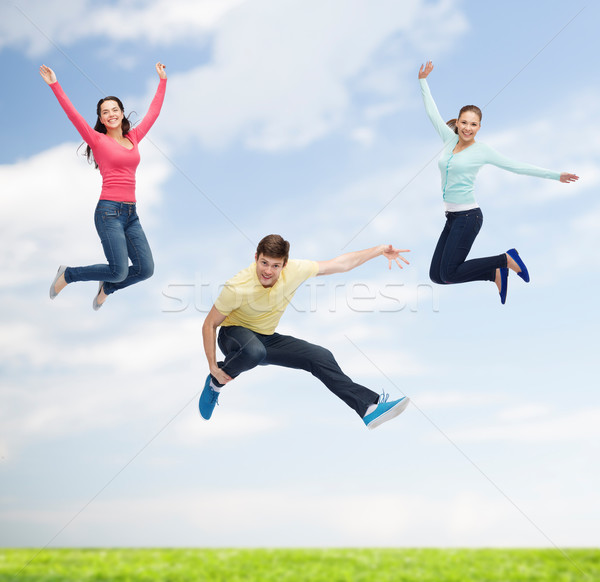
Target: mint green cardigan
(460,170)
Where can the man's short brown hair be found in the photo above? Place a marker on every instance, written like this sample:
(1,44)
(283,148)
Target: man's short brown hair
(274,247)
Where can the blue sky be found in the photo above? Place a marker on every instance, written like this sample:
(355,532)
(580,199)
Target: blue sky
(302,118)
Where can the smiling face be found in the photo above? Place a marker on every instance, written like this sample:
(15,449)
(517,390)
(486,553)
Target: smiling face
(268,269)
(467,126)
(111,115)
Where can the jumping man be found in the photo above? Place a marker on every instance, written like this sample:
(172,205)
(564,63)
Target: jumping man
(248,310)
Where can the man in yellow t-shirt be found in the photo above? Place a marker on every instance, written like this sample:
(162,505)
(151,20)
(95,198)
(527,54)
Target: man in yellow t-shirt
(248,310)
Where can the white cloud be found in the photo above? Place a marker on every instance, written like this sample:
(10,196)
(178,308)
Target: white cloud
(164,400)
(61,192)
(363,135)
(245,517)
(583,425)
(398,205)
(158,343)
(282,78)
(37,24)
(578,245)
(233,424)
(161,21)
(453,398)
(72,386)
(524,412)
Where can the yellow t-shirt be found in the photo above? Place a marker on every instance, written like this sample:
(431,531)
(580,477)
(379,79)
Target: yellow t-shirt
(245,302)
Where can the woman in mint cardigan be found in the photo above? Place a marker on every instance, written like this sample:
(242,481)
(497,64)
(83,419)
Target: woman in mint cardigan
(461,159)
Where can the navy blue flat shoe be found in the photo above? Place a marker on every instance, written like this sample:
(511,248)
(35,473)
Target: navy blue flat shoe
(503,284)
(523,273)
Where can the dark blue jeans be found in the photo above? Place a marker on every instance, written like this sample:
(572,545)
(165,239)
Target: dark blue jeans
(449,264)
(245,349)
(122,238)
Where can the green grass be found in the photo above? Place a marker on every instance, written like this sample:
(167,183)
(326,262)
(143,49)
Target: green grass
(298,565)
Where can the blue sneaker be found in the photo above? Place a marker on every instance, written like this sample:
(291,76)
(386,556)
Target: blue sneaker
(385,410)
(208,399)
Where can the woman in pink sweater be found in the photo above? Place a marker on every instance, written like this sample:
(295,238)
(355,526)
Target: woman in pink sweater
(112,145)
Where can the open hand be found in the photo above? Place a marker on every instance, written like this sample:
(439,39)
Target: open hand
(47,74)
(565,177)
(425,70)
(392,254)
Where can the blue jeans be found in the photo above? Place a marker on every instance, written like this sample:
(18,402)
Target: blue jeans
(245,349)
(122,237)
(449,264)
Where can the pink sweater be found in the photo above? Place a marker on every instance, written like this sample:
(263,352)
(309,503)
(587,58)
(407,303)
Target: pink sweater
(116,163)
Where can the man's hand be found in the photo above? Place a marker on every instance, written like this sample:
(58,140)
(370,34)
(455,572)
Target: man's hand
(209,338)
(392,254)
(220,376)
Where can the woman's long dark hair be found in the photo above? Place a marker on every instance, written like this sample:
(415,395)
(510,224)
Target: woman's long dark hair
(100,128)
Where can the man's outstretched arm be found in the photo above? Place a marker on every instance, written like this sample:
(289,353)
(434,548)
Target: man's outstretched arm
(350,261)
(209,336)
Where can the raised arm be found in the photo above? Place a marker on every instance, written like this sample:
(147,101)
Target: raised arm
(430,107)
(85,131)
(153,111)
(350,261)
(209,337)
